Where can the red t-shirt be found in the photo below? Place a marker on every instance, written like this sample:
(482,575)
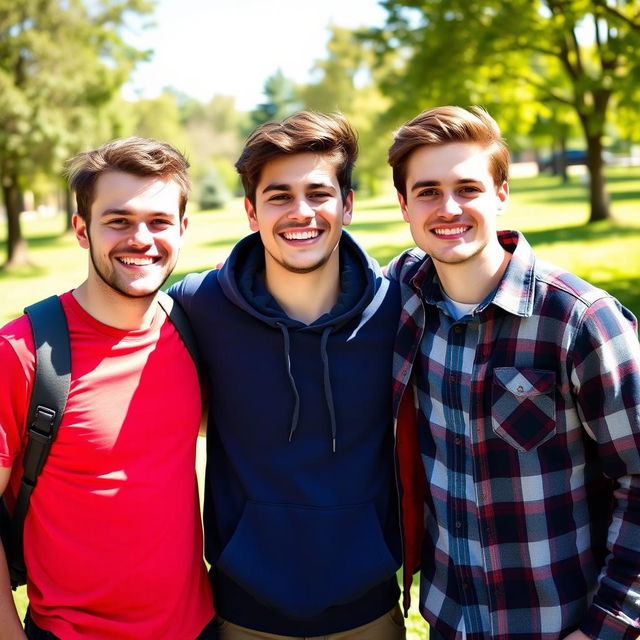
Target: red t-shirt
(113,539)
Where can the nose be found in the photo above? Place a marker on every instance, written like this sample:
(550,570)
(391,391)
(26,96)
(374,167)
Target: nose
(301,210)
(141,235)
(450,206)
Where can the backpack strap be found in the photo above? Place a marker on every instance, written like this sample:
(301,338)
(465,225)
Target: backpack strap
(48,399)
(179,319)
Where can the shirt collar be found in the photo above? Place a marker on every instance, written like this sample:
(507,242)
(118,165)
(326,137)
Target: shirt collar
(515,291)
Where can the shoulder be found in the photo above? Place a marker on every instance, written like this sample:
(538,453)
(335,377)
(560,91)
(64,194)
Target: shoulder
(553,280)
(16,341)
(193,285)
(404,266)
(570,295)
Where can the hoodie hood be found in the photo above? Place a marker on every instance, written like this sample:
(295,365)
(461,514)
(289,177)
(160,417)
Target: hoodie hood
(362,290)
(242,281)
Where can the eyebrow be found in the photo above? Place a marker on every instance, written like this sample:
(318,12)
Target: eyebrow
(287,187)
(116,212)
(126,213)
(421,184)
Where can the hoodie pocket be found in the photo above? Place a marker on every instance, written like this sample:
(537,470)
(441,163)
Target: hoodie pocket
(302,560)
(523,406)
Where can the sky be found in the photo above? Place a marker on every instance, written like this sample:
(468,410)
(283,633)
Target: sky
(230,47)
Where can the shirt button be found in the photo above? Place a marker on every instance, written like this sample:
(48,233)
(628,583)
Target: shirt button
(457,439)
(520,388)
(453,377)
(458,524)
(458,328)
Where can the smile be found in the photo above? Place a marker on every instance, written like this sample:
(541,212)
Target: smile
(451,231)
(301,235)
(138,262)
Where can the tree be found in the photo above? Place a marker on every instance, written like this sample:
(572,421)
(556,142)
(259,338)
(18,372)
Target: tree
(348,81)
(61,61)
(281,100)
(577,53)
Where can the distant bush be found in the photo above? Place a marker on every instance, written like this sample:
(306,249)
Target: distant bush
(214,194)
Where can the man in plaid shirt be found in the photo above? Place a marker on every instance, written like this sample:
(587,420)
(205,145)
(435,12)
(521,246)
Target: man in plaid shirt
(528,393)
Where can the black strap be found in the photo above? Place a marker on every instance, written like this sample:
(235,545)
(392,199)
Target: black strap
(48,399)
(179,319)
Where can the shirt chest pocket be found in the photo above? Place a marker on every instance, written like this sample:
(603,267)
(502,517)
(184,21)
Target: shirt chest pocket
(523,409)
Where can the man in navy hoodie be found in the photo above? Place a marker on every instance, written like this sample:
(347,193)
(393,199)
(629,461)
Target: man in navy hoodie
(296,331)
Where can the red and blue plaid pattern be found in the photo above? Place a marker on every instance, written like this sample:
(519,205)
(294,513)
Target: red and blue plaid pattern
(529,430)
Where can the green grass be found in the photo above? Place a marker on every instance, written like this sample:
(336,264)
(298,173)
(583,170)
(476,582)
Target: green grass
(551,214)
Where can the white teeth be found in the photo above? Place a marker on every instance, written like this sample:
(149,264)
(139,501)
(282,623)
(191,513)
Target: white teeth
(301,235)
(449,232)
(138,262)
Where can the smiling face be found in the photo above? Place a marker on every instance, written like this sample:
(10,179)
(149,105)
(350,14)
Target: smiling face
(299,212)
(452,203)
(134,233)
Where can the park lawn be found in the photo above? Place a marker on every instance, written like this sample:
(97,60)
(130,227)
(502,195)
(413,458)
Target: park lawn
(551,214)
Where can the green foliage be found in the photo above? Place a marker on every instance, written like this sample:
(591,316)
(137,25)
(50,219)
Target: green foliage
(517,57)
(61,62)
(213,192)
(281,100)
(347,81)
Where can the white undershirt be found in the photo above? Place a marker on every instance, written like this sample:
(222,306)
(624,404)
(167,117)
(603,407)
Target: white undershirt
(458,309)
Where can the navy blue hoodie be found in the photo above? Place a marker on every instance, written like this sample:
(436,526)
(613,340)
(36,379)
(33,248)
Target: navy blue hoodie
(301,517)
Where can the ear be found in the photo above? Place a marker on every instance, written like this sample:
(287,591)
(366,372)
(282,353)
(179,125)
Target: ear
(251,215)
(184,223)
(80,228)
(347,212)
(503,197)
(403,207)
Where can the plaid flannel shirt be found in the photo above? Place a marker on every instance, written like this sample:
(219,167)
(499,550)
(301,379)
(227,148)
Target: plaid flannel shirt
(529,428)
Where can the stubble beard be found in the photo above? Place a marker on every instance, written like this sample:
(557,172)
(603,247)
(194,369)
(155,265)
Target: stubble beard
(113,285)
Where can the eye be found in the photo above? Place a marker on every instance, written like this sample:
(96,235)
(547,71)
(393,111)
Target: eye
(320,195)
(162,223)
(427,193)
(279,197)
(470,190)
(117,222)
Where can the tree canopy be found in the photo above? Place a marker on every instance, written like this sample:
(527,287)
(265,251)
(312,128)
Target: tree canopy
(518,58)
(61,62)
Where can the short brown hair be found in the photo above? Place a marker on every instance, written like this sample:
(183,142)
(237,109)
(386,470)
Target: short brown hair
(305,131)
(140,156)
(444,125)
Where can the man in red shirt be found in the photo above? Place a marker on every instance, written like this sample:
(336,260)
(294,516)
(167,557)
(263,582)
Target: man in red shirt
(112,539)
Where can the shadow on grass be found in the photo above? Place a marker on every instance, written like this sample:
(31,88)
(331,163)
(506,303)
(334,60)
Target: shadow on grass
(37,242)
(581,233)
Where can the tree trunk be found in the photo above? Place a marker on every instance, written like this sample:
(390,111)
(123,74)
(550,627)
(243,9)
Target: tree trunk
(16,244)
(599,199)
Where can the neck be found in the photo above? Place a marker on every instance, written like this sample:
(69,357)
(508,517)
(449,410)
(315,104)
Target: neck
(304,296)
(470,282)
(114,309)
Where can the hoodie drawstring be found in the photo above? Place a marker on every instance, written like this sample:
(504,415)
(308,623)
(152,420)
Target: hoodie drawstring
(296,395)
(327,385)
(328,396)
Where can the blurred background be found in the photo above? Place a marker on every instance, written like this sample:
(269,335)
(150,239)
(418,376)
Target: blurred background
(561,77)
